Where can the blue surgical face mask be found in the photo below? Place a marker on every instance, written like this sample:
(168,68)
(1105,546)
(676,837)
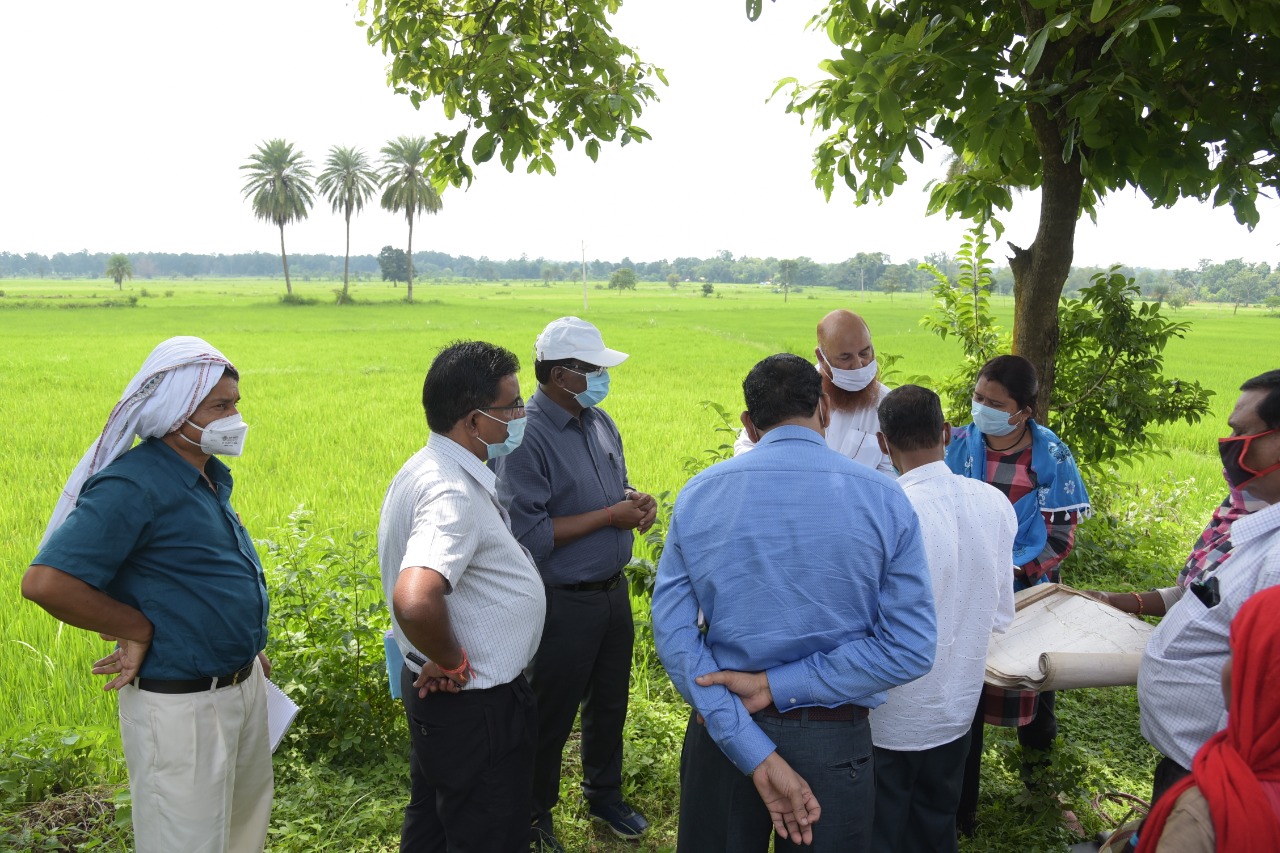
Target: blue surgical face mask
(991,421)
(597,387)
(515,434)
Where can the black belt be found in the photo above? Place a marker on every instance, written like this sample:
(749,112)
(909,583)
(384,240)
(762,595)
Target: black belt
(590,586)
(194,685)
(840,714)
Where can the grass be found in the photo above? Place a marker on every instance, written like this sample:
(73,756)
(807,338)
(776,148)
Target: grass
(333,398)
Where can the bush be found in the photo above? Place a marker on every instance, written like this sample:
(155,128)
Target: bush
(48,761)
(1139,535)
(327,621)
(298,299)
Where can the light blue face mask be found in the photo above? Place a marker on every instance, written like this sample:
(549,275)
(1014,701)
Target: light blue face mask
(597,388)
(991,421)
(515,434)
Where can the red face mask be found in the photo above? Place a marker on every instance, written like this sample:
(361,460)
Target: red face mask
(1233,450)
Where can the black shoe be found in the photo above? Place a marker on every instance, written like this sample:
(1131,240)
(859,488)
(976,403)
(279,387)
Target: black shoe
(622,820)
(542,838)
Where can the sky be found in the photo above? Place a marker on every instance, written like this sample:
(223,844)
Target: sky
(125,125)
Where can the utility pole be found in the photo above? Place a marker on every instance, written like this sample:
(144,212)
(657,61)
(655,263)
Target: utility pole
(584,276)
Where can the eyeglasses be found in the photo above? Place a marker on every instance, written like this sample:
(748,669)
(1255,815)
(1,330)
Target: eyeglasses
(516,409)
(593,372)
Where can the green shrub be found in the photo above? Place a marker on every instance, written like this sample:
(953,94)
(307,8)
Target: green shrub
(326,626)
(48,761)
(298,299)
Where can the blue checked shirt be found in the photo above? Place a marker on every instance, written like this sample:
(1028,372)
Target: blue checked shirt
(805,565)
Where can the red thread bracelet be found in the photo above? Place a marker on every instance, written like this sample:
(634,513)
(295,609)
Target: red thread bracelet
(462,667)
(609,513)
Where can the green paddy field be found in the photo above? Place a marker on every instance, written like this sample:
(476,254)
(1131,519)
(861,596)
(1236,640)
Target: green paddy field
(332,395)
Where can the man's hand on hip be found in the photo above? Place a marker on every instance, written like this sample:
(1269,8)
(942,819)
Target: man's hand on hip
(125,661)
(792,806)
(751,687)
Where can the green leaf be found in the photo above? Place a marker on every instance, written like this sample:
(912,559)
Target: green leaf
(1099,10)
(1032,57)
(890,109)
(482,151)
(753,9)
(1160,12)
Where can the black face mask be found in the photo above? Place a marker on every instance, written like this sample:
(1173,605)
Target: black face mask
(1233,450)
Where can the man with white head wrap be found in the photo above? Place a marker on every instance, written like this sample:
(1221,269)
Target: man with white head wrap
(144,548)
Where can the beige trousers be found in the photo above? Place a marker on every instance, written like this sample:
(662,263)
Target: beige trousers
(199,768)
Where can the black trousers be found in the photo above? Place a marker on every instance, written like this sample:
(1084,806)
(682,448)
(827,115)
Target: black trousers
(1168,773)
(917,794)
(470,766)
(584,660)
(1036,739)
(721,811)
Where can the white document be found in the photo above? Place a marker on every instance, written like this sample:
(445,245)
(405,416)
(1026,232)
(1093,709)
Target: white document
(280,713)
(1062,639)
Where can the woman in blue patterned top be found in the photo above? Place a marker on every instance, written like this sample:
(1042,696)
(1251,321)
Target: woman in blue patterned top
(1006,448)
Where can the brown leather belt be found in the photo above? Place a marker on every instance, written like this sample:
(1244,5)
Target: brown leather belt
(839,714)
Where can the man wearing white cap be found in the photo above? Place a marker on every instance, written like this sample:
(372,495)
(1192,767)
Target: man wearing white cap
(144,548)
(573,507)
(850,378)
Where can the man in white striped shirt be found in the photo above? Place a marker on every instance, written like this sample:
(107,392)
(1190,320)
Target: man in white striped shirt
(467,608)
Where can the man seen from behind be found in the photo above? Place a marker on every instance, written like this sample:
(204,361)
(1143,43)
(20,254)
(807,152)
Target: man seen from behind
(796,579)
(921,732)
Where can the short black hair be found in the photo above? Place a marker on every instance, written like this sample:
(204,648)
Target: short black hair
(781,387)
(229,371)
(1017,375)
(464,377)
(1268,406)
(911,418)
(542,369)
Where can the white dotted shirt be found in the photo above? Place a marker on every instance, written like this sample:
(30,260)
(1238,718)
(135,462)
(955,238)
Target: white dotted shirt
(441,513)
(1179,682)
(968,530)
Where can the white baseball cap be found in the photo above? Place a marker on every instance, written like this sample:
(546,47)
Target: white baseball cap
(570,337)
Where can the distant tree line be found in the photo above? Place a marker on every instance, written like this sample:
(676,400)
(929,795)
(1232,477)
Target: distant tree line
(1233,282)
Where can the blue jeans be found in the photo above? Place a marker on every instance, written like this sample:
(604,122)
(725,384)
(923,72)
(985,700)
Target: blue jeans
(720,809)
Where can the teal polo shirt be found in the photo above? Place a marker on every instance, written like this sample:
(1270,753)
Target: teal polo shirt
(148,531)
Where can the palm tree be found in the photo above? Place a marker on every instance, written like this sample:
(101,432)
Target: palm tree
(118,269)
(405,186)
(280,188)
(348,181)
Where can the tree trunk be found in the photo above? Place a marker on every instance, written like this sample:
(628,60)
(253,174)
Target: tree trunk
(346,263)
(1040,272)
(409,298)
(288,287)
